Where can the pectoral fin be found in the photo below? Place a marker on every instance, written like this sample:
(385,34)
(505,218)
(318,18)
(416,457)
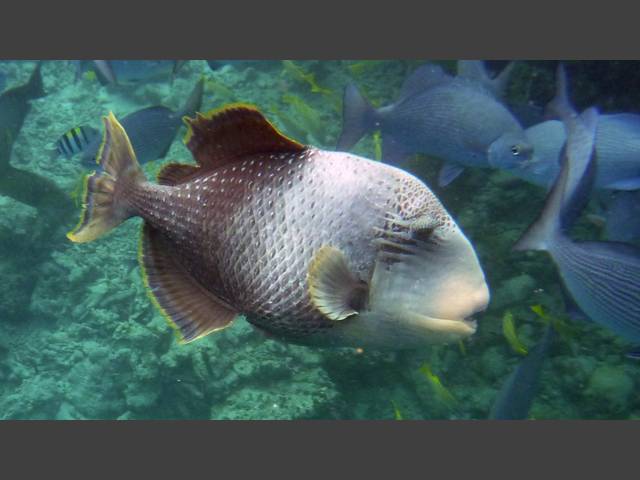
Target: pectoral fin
(448,173)
(333,288)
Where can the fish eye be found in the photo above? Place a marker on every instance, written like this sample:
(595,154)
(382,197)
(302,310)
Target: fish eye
(515,150)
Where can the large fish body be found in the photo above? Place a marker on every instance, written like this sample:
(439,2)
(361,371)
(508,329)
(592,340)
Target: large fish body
(617,150)
(317,247)
(603,278)
(453,118)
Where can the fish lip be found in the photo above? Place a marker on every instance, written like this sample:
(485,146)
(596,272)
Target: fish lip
(463,327)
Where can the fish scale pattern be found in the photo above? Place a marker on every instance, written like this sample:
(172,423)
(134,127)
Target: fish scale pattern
(249,230)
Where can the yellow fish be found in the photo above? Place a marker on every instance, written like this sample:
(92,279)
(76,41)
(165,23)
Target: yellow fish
(463,349)
(442,393)
(509,330)
(537,309)
(360,68)
(220,90)
(308,115)
(297,72)
(291,127)
(566,331)
(377,145)
(396,411)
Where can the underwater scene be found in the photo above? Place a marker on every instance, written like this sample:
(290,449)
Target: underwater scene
(345,239)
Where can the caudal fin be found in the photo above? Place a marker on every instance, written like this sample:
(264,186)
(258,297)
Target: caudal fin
(358,118)
(105,203)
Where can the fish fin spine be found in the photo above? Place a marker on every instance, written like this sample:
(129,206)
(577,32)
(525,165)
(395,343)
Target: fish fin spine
(105,203)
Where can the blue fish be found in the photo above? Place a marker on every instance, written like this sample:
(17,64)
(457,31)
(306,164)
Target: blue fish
(603,278)
(15,103)
(617,148)
(130,71)
(454,118)
(151,130)
(621,215)
(518,391)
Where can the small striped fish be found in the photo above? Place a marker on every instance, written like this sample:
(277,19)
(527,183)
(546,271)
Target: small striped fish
(75,140)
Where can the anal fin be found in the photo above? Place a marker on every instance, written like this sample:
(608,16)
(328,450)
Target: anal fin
(191,309)
(448,173)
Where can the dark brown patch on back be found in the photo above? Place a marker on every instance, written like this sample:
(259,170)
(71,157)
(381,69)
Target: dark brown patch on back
(177,173)
(223,136)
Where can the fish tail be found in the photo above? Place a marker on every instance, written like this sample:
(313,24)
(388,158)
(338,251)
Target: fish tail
(359,117)
(35,86)
(194,102)
(106,192)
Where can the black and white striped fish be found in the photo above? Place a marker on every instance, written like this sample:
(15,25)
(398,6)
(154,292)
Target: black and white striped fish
(603,278)
(75,140)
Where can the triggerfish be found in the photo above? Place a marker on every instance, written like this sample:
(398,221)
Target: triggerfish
(313,246)
(457,119)
(602,278)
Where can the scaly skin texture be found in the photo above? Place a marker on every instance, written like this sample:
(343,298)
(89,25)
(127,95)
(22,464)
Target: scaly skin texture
(248,230)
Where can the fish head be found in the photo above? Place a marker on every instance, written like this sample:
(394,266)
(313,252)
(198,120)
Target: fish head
(511,151)
(424,290)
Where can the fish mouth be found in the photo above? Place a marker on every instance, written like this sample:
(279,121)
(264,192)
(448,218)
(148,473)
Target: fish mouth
(459,327)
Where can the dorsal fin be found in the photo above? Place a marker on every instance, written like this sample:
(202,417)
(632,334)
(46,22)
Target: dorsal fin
(222,136)
(176,173)
(423,78)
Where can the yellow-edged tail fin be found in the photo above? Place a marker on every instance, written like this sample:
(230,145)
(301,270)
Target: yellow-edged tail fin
(105,203)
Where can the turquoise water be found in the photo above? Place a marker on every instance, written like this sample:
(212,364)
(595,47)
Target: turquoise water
(80,339)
